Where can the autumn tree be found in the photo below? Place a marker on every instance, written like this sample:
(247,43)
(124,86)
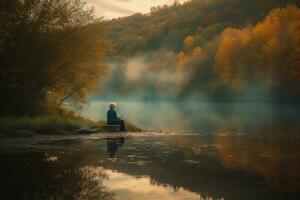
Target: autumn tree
(51,54)
(153,31)
(189,60)
(266,53)
(194,31)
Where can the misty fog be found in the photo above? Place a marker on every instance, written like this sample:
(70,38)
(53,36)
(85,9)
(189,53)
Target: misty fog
(199,117)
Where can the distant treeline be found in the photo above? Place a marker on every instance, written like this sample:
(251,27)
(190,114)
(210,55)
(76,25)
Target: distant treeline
(209,49)
(51,52)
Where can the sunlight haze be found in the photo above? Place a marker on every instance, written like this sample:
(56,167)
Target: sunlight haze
(110,9)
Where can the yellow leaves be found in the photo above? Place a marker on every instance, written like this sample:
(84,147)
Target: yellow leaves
(196,55)
(181,58)
(270,47)
(199,53)
(275,53)
(80,64)
(267,29)
(293,30)
(188,42)
(187,63)
(286,14)
(277,22)
(227,56)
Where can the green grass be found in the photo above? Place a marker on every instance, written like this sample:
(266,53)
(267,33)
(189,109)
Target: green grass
(42,124)
(51,124)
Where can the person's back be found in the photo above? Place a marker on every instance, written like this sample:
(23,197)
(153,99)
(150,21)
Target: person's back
(112,117)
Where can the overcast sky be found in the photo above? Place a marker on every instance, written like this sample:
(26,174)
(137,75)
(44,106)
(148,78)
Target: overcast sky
(119,8)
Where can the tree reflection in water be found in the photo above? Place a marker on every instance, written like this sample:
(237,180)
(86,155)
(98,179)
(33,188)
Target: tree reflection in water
(261,163)
(272,151)
(36,176)
(255,162)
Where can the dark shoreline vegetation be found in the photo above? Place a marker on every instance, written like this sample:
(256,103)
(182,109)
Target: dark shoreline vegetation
(52,56)
(51,124)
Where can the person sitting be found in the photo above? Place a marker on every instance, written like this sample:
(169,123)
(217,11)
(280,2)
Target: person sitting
(113,119)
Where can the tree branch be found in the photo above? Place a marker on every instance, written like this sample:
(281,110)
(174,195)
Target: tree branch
(70,94)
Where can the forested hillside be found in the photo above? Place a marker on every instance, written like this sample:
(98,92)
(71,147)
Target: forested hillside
(208,49)
(167,26)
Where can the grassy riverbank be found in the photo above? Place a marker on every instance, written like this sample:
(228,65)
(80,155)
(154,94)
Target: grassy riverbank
(51,124)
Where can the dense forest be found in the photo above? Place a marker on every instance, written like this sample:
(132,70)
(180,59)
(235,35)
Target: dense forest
(207,50)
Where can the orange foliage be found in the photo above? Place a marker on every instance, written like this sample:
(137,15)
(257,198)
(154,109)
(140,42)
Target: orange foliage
(268,52)
(188,61)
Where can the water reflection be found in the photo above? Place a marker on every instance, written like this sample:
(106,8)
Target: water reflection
(131,187)
(217,167)
(235,160)
(36,175)
(113,144)
(274,157)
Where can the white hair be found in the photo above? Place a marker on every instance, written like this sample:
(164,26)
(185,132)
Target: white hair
(113,104)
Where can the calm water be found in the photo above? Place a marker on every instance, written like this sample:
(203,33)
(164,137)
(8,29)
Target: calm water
(220,153)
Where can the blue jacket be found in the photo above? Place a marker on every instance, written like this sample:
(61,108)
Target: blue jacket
(112,117)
